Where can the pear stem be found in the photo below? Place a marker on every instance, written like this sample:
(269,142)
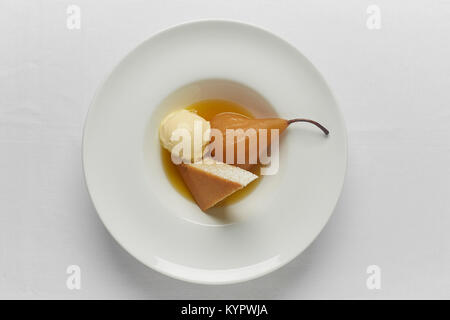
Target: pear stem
(321,127)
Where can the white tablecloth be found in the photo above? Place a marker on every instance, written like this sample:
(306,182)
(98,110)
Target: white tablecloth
(392,84)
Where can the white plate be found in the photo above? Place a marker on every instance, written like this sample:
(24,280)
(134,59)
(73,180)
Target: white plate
(136,202)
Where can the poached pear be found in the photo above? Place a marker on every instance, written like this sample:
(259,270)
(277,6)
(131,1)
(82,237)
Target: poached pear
(230,120)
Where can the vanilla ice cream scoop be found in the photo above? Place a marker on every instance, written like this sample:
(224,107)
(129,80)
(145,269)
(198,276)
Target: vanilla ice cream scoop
(179,126)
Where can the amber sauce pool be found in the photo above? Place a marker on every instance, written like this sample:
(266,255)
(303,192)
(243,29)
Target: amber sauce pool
(208,109)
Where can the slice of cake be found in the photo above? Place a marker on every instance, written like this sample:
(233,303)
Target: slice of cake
(211,181)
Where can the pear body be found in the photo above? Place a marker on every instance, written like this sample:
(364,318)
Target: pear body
(235,121)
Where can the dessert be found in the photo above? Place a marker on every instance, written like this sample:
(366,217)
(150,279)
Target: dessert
(196,140)
(207,109)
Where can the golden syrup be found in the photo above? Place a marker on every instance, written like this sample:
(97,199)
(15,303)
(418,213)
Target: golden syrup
(208,109)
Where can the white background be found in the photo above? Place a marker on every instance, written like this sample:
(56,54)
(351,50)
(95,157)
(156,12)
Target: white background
(392,84)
